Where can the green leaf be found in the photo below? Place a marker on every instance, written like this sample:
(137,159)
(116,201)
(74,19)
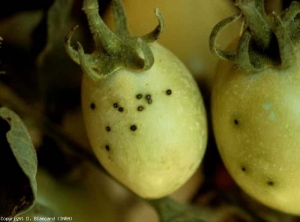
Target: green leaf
(18,165)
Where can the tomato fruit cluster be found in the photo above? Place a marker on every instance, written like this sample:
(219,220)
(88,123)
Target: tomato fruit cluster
(145,116)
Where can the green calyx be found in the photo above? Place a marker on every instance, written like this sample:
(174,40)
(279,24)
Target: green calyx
(266,40)
(113,51)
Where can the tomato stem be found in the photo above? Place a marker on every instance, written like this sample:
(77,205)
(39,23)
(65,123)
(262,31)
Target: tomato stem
(102,35)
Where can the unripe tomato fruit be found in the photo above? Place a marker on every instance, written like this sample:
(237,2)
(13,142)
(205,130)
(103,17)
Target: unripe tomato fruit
(255,108)
(145,120)
(257,132)
(147,129)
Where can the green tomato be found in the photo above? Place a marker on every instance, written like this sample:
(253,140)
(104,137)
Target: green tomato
(143,111)
(255,124)
(255,110)
(147,129)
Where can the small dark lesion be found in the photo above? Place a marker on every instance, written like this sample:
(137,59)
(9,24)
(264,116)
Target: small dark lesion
(133,127)
(140,108)
(139,96)
(168,92)
(121,109)
(243,168)
(107,147)
(148,98)
(236,122)
(270,183)
(108,128)
(115,105)
(92,105)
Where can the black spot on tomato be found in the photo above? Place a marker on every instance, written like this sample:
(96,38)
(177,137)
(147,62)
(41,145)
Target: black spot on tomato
(148,98)
(121,109)
(236,122)
(270,183)
(140,108)
(243,168)
(108,128)
(115,105)
(107,147)
(133,127)
(139,96)
(169,92)
(92,105)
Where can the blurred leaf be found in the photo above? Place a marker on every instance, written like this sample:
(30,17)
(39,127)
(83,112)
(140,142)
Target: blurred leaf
(58,75)
(55,68)
(172,211)
(16,6)
(53,62)
(18,165)
(59,21)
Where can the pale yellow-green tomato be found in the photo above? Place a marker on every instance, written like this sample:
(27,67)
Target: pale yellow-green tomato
(148,129)
(188,24)
(256,126)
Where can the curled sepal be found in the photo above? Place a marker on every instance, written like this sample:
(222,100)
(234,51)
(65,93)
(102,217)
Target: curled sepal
(86,66)
(226,55)
(70,50)
(148,55)
(285,44)
(242,53)
(113,51)
(91,59)
(154,35)
(249,59)
(253,11)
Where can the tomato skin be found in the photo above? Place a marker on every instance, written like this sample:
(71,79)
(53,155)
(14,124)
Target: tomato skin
(256,125)
(155,150)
